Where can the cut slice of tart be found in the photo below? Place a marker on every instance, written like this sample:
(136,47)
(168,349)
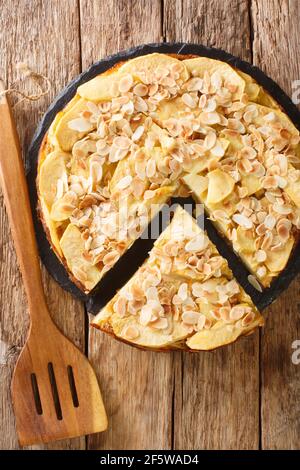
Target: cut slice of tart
(184,296)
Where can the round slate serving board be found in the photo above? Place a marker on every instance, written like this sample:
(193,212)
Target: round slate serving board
(130,262)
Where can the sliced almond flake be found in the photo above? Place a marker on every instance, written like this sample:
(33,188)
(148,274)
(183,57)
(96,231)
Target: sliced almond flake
(197,290)
(194,84)
(282,209)
(261,256)
(248,319)
(282,182)
(138,133)
(210,140)
(130,332)
(237,312)
(198,243)
(122,142)
(254,282)
(242,220)
(80,124)
(119,306)
(146,315)
(270,221)
(219,214)
(140,104)
(124,182)
(270,117)
(261,271)
(191,318)
(160,324)
(111,258)
(210,118)
(125,83)
(210,105)
(218,150)
(140,89)
(283,232)
(189,100)
(224,313)
(151,168)
(183,291)
(96,171)
(149,194)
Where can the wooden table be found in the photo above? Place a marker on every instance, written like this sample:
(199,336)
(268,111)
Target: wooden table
(245,396)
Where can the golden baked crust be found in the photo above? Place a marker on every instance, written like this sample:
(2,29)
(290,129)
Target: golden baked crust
(188,124)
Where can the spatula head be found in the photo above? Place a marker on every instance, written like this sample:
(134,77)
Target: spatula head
(55,391)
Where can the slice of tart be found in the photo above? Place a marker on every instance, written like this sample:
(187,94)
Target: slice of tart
(183,296)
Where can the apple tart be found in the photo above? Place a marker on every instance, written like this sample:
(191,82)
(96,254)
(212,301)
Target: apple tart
(159,126)
(183,296)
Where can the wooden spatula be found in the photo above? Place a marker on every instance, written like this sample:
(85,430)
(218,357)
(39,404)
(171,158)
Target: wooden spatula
(54,388)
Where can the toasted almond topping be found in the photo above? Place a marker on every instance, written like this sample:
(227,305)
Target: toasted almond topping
(189,100)
(119,306)
(140,89)
(197,290)
(218,150)
(203,322)
(124,182)
(111,258)
(261,256)
(237,312)
(248,319)
(224,313)
(146,315)
(183,291)
(122,142)
(130,332)
(198,243)
(125,83)
(254,282)
(210,118)
(151,168)
(138,133)
(242,220)
(80,124)
(149,194)
(210,140)
(191,318)
(282,209)
(160,324)
(270,222)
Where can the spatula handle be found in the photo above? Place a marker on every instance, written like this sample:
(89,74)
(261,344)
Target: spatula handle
(13,182)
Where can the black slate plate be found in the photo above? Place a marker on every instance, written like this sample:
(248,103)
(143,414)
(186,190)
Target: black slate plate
(128,264)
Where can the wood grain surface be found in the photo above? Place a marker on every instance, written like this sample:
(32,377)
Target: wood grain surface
(276,45)
(244,396)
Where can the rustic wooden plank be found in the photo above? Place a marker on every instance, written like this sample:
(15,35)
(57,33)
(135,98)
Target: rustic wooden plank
(216,394)
(218,24)
(45,34)
(137,386)
(117,25)
(275,50)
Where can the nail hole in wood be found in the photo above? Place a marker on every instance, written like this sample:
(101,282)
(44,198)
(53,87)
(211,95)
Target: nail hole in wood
(36,394)
(54,391)
(73,386)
